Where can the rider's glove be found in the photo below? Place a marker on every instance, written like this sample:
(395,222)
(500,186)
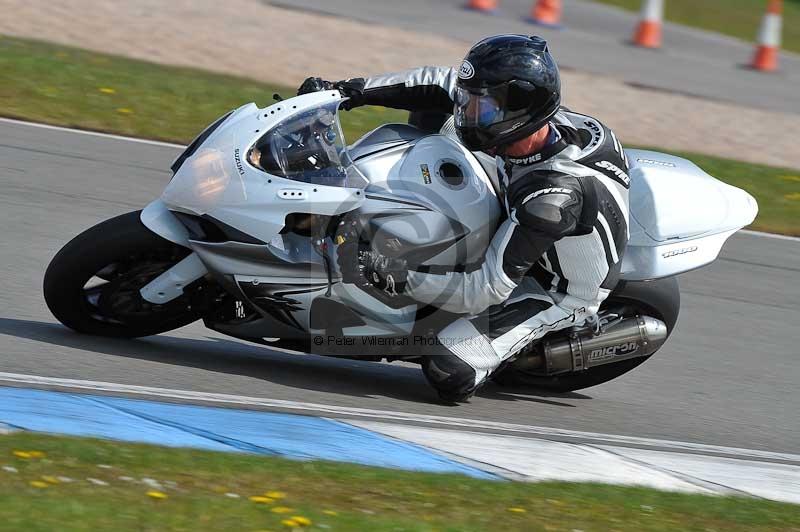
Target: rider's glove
(350,88)
(384,273)
(314,85)
(364,267)
(347,259)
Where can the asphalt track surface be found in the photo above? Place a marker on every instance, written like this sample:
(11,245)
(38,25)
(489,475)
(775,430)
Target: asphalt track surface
(728,376)
(596,39)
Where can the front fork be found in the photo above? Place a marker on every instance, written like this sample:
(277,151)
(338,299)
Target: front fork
(170,284)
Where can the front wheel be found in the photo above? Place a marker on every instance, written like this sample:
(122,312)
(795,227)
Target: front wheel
(92,284)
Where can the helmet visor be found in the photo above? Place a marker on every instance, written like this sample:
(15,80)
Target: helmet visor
(477,108)
(505,106)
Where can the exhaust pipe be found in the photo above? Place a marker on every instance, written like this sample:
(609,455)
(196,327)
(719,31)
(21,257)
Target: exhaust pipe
(583,348)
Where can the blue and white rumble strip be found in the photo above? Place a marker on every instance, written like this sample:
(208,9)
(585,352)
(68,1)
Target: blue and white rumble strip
(478,448)
(217,429)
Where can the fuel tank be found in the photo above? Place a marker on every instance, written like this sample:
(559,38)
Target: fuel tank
(431,196)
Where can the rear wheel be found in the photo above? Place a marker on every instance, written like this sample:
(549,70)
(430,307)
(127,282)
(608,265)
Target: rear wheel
(92,284)
(659,299)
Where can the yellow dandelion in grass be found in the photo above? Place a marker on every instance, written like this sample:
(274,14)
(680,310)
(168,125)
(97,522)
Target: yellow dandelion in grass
(275,494)
(517,510)
(261,500)
(51,480)
(125,111)
(794,196)
(302,521)
(282,510)
(107,90)
(291,523)
(333,513)
(38,484)
(153,494)
(29,454)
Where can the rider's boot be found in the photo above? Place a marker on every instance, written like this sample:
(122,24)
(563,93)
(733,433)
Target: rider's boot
(470,350)
(453,379)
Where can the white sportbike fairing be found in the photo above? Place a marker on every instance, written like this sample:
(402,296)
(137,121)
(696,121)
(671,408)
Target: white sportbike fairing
(252,216)
(680,216)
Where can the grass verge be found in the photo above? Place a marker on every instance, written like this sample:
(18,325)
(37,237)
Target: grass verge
(737,18)
(76,88)
(70,87)
(61,483)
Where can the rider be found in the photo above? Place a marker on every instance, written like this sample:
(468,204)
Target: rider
(564,187)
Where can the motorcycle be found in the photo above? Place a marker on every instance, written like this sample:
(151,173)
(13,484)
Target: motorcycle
(245,236)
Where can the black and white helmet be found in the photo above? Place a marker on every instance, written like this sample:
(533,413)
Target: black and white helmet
(508,87)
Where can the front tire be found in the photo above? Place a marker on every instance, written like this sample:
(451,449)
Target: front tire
(92,284)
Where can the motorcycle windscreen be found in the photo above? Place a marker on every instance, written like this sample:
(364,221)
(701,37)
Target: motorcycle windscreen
(308,147)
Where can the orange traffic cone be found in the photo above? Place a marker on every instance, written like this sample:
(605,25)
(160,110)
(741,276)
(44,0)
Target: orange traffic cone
(648,32)
(546,13)
(769,39)
(487,6)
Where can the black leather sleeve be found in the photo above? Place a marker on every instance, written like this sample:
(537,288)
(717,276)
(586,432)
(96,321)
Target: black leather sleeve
(430,98)
(543,217)
(427,89)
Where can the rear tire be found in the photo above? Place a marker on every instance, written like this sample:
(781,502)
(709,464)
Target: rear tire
(659,299)
(123,255)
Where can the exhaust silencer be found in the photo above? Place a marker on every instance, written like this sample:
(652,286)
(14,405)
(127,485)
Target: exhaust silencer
(583,348)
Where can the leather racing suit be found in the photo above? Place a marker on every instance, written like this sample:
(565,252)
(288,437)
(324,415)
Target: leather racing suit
(551,262)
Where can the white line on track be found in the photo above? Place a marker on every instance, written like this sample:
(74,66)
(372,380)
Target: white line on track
(544,432)
(171,145)
(770,235)
(90,133)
